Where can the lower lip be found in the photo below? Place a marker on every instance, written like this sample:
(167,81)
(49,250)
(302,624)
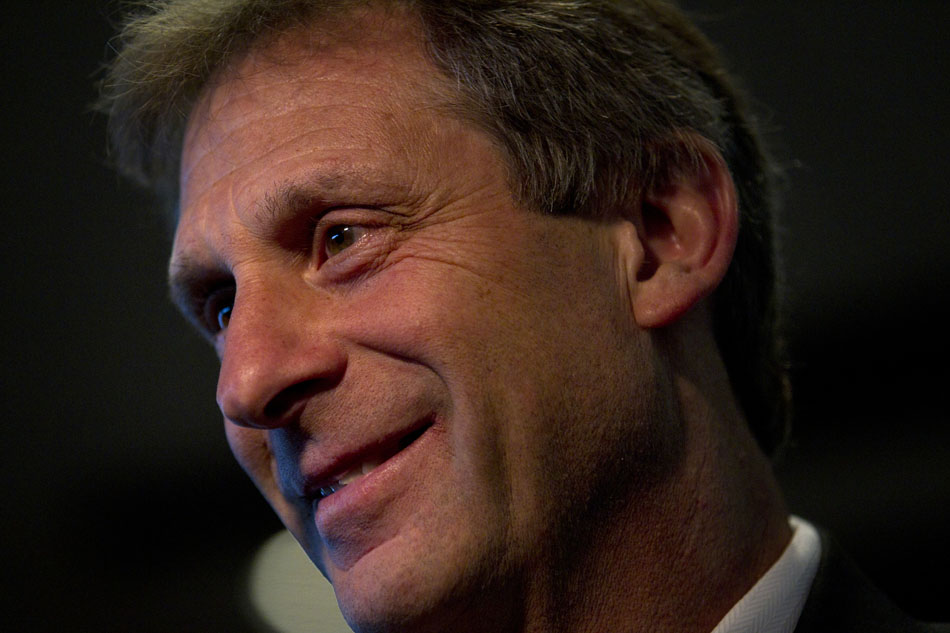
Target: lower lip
(362,496)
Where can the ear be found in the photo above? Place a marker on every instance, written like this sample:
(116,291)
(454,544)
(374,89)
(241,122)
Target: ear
(687,228)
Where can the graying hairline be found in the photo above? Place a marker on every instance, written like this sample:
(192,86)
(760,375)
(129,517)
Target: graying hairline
(447,91)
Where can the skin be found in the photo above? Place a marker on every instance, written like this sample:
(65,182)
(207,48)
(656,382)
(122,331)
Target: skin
(563,398)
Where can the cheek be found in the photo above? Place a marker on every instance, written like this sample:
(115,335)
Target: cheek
(252,450)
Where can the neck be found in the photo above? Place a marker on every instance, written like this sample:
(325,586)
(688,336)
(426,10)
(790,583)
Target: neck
(678,557)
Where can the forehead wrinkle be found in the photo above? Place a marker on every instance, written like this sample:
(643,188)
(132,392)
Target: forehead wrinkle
(293,102)
(301,58)
(322,146)
(281,152)
(208,138)
(302,66)
(304,73)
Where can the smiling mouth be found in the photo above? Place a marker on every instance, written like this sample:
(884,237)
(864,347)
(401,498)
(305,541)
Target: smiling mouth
(369,464)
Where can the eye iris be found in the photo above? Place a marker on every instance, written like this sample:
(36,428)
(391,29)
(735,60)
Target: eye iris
(339,238)
(224,317)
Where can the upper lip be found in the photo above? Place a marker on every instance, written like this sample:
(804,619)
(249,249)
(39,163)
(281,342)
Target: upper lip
(326,469)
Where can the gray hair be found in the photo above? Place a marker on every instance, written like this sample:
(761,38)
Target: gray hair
(592,102)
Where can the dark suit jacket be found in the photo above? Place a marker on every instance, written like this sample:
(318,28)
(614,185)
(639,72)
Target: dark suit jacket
(843,600)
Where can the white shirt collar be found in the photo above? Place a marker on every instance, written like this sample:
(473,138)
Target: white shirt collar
(775,602)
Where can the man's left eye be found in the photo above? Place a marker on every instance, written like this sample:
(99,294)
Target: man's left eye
(340,237)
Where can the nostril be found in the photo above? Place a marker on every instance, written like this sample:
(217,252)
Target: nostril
(285,403)
(269,372)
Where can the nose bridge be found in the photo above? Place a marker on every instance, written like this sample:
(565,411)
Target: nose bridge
(275,354)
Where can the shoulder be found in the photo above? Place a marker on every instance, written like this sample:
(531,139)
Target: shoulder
(843,600)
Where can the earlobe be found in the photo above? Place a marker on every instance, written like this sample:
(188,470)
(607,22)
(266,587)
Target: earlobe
(687,227)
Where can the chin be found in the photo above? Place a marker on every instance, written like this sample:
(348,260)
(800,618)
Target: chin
(397,588)
(393,600)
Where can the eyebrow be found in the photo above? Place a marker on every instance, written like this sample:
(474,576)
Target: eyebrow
(289,198)
(189,281)
(331,187)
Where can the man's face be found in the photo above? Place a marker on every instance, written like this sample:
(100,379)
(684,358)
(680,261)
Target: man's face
(395,313)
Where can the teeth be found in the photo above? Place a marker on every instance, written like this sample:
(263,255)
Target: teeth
(370,465)
(349,477)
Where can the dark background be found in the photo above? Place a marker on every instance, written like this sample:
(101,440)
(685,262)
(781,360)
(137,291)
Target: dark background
(121,507)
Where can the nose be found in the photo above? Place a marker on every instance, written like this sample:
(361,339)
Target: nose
(275,357)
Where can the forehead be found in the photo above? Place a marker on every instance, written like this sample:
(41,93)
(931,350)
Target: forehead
(362,43)
(345,81)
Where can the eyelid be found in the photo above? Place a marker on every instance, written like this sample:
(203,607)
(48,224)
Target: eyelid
(191,285)
(364,219)
(211,306)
